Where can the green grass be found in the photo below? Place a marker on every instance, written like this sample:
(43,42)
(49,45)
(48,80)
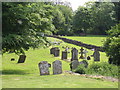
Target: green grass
(90,39)
(26,75)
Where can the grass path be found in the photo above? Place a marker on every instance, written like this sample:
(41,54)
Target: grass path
(26,75)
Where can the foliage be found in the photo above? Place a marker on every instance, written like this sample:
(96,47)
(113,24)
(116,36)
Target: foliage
(103,68)
(24,25)
(112,45)
(80,69)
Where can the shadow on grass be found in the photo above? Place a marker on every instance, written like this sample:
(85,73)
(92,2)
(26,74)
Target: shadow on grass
(13,72)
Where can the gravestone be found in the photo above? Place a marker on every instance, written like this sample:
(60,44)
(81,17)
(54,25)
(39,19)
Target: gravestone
(57,67)
(64,55)
(81,52)
(52,50)
(74,52)
(22,59)
(85,63)
(85,54)
(56,52)
(44,68)
(96,55)
(74,64)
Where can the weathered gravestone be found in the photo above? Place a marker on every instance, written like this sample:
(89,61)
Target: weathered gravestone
(44,68)
(84,63)
(81,52)
(56,52)
(74,64)
(74,52)
(52,50)
(64,55)
(57,67)
(85,54)
(96,55)
(22,59)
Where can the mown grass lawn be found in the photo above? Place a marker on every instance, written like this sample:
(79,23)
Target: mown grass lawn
(26,75)
(90,39)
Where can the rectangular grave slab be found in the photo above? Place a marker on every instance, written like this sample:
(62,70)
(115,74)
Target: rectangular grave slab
(57,67)
(64,55)
(44,68)
(22,59)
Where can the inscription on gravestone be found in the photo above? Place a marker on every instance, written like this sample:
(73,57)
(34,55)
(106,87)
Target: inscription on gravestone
(44,68)
(57,67)
(22,59)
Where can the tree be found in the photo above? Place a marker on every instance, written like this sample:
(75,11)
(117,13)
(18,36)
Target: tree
(112,45)
(24,25)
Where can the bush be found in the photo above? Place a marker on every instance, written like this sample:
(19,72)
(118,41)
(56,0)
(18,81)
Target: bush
(103,69)
(80,69)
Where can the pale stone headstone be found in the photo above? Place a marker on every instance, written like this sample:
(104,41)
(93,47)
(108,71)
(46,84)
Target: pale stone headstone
(64,55)
(81,52)
(74,64)
(44,68)
(56,52)
(85,54)
(22,59)
(57,67)
(96,55)
(74,52)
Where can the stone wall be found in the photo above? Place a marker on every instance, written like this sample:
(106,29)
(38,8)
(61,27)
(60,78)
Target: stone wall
(78,43)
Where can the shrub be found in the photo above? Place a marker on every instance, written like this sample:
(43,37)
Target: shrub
(80,69)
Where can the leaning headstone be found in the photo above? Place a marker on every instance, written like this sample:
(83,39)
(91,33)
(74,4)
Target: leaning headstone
(56,52)
(74,52)
(74,64)
(85,63)
(64,55)
(96,55)
(81,52)
(85,54)
(44,68)
(57,67)
(22,59)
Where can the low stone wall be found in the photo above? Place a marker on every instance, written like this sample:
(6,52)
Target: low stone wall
(78,43)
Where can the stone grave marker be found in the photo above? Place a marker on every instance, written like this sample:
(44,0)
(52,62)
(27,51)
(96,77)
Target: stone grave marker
(22,59)
(85,54)
(74,64)
(52,50)
(81,52)
(74,52)
(44,68)
(64,55)
(96,55)
(56,52)
(57,67)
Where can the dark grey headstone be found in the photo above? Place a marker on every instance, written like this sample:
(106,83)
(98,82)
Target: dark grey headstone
(44,68)
(22,59)
(56,52)
(74,52)
(64,55)
(74,64)
(96,55)
(57,67)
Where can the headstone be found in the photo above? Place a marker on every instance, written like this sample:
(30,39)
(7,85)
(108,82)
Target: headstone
(96,55)
(64,55)
(85,63)
(74,52)
(85,54)
(12,59)
(22,59)
(44,68)
(52,50)
(57,67)
(81,52)
(74,64)
(56,52)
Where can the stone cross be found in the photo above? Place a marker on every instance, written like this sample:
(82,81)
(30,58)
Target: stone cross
(74,64)
(81,52)
(44,68)
(57,67)
(85,54)
(22,59)
(74,52)
(96,55)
